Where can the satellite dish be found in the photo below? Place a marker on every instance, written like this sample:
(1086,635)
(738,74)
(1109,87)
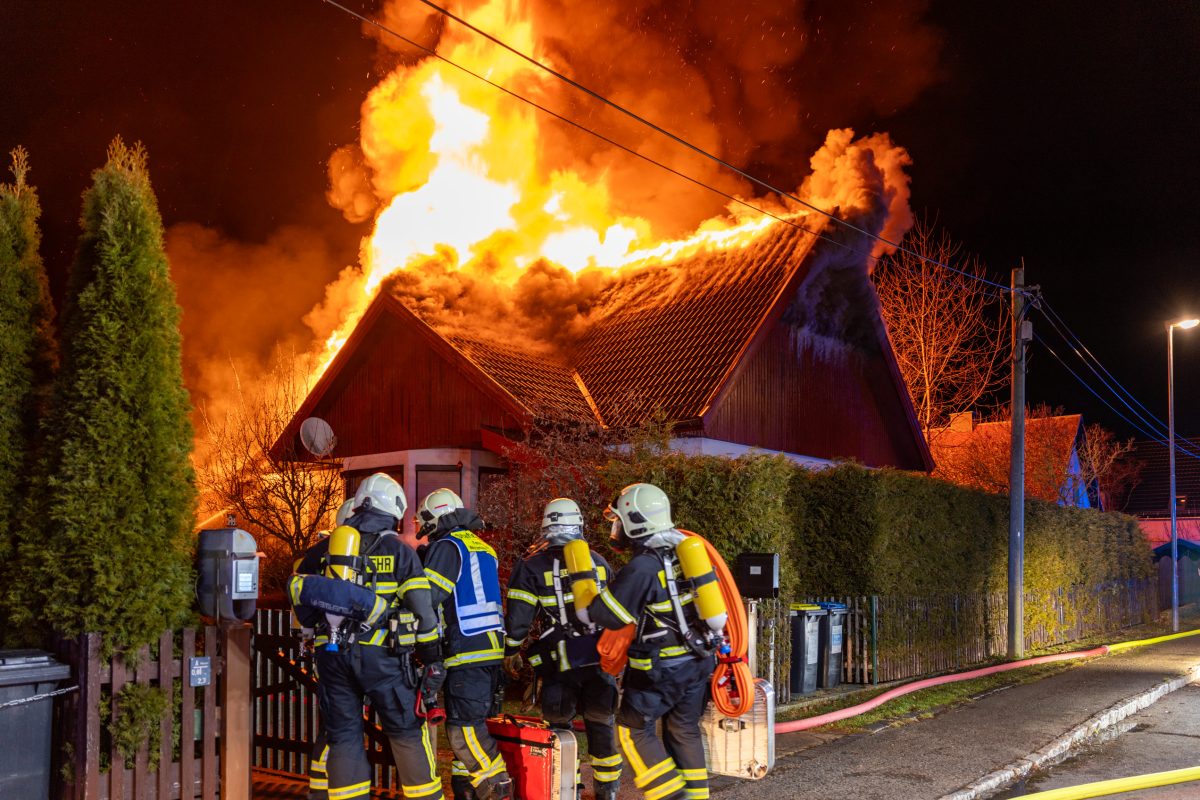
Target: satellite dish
(317,437)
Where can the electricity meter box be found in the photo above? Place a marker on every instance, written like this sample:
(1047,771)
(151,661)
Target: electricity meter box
(757,575)
(227,563)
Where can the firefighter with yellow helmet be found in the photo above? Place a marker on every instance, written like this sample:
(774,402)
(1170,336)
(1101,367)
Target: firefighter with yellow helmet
(464,579)
(366,595)
(564,655)
(673,653)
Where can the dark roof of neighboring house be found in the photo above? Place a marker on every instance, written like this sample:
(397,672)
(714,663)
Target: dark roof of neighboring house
(1186,547)
(1150,498)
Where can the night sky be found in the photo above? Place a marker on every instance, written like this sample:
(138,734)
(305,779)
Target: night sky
(1062,133)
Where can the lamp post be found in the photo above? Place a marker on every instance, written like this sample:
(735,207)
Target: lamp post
(1182,324)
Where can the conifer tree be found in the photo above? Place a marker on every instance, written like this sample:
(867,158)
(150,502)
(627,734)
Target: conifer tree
(105,546)
(26,348)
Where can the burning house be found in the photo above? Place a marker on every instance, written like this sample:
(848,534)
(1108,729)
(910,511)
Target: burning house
(770,340)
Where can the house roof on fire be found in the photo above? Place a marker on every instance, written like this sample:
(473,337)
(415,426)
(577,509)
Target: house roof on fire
(659,339)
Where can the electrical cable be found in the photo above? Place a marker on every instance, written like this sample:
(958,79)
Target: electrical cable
(1183,449)
(429,51)
(695,148)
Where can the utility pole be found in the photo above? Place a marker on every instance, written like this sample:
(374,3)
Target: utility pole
(1022,332)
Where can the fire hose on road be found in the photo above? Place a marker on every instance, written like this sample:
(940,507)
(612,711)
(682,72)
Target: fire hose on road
(915,686)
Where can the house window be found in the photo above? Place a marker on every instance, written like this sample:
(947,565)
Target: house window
(355,477)
(488,476)
(433,477)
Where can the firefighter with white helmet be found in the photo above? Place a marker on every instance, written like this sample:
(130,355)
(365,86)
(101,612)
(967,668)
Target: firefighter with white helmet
(464,579)
(672,656)
(370,655)
(564,656)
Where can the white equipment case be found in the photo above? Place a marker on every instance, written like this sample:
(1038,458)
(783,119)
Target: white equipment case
(742,747)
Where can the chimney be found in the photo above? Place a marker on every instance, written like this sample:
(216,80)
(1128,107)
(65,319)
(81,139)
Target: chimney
(963,421)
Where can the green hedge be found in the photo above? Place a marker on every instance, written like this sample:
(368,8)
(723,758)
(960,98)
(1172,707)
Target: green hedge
(849,530)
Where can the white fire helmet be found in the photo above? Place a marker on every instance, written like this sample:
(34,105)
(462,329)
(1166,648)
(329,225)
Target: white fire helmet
(380,492)
(641,510)
(345,512)
(438,503)
(562,521)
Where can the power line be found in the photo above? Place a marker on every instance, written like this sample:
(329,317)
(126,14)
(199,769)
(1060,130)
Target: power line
(1118,390)
(1151,436)
(786,220)
(680,140)
(606,139)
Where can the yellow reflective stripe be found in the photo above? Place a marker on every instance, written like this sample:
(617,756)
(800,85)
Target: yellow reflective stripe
(294,586)
(665,605)
(476,748)
(524,597)
(384,587)
(631,753)
(670,787)
(376,638)
(642,664)
(414,583)
(697,794)
(496,768)
(318,784)
(662,579)
(694,774)
(440,580)
(677,650)
(429,754)
(458,768)
(659,769)
(428,636)
(474,655)
(357,790)
(608,761)
(606,775)
(535,660)
(423,789)
(615,607)
(511,642)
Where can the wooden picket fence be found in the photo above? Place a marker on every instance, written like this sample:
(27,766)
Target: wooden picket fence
(889,638)
(200,739)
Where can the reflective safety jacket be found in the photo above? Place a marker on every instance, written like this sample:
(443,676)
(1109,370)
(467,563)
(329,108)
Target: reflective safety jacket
(464,583)
(539,590)
(640,594)
(393,572)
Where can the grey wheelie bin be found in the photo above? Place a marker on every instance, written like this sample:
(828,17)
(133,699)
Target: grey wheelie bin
(806,624)
(26,719)
(833,628)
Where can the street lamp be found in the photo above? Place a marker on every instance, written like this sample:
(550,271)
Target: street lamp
(1182,324)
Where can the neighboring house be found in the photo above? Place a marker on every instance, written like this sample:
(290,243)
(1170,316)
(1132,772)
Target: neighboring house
(774,345)
(978,454)
(1149,500)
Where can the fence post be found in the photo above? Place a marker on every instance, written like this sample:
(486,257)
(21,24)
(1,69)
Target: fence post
(236,733)
(874,640)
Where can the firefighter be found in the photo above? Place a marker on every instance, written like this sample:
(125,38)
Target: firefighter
(671,657)
(373,660)
(464,582)
(564,655)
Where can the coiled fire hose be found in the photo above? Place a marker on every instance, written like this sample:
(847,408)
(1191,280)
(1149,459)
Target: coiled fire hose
(732,683)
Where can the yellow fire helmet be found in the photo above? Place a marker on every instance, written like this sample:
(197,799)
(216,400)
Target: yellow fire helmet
(642,510)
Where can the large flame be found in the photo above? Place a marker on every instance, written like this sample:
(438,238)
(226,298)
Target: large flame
(455,165)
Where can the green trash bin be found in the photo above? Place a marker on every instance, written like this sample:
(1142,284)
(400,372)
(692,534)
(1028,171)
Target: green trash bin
(25,754)
(806,626)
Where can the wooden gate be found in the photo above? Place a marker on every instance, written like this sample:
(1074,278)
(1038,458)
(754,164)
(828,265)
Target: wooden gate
(191,733)
(286,718)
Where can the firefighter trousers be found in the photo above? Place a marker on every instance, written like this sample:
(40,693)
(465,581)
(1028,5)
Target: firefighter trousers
(346,677)
(592,692)
(676,691)
(478,768)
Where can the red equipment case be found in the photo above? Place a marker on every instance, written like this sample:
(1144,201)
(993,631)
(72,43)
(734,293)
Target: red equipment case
(542,761)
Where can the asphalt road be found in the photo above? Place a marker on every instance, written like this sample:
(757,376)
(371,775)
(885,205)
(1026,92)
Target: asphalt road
(1165,736)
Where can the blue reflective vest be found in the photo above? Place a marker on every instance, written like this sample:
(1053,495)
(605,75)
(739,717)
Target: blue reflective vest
(477,588)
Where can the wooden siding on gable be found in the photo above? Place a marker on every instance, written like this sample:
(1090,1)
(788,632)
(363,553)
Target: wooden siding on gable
(789,397)
(398,393)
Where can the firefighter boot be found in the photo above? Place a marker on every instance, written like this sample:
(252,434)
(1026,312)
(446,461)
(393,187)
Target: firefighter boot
(461,786)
